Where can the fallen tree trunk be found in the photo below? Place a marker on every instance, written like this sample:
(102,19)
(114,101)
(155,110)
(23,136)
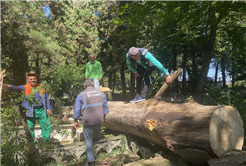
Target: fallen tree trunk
(195,132)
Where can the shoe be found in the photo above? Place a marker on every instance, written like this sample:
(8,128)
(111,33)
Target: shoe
(140,99)
(134,100)
(91,163)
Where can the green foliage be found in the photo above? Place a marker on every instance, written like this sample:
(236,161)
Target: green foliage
(14,145)
(103,130)
(68,79)
(157,82)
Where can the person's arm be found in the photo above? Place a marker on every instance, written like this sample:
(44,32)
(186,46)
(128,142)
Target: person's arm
(77,107)
(16,88)
(100,71)
(86,72)
(105,106)
(48,104)
(156,63)
(129,64)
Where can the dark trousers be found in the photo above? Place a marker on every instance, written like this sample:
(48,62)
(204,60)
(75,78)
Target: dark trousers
(143,73)
(91,133)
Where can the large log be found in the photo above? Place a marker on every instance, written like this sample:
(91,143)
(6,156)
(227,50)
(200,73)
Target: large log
(195,132)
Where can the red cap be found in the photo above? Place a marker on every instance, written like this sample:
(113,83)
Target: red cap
(32,74)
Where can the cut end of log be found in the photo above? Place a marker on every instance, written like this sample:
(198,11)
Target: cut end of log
(226,130)
(150,124)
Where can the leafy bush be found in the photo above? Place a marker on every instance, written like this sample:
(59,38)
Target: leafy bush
(15,148)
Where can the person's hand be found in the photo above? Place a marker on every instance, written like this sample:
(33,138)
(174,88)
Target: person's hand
(5,86)
(168,79)
(99,79)
(76,125)
(136,75)
(48,112)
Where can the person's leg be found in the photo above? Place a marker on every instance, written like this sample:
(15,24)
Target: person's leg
(96,84)
(147,78)
(31,121)
(140,71)
(97,132)
(44,123)
(88,135)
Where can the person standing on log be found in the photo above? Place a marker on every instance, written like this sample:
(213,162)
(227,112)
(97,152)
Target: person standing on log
(91,107)
(142,63)
(94,71)
(39,111)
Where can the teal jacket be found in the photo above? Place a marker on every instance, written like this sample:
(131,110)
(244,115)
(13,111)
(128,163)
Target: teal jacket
(149,57)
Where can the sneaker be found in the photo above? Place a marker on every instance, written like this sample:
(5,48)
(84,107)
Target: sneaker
(134,100)
(140,99)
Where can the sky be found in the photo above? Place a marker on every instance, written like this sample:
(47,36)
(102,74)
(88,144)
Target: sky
(46,10)
(211,73)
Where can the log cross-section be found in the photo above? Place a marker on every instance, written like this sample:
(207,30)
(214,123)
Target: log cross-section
(182,128)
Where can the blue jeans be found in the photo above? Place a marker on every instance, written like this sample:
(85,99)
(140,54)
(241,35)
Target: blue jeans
(96,83)
(91,133)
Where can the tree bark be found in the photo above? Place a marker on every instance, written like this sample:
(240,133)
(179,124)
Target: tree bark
(223,71)
(123,82)
(193,131)
(132,86)
(208,50)
(184,72)
(176,84)
(216,73)
(114,80)
(110,71)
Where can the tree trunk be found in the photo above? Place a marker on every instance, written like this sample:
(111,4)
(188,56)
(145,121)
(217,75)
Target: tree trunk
(114,80)
(193,75)
(184,73)
(132,87)
(233,80)
(110,71)
(204,72)
(208,50)
(123,82)
(176,83)
(193,131)
(216,73)
(223,71)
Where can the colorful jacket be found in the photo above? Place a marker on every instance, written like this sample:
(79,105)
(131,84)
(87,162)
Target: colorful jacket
(93,70)
(42,95)
(147,60)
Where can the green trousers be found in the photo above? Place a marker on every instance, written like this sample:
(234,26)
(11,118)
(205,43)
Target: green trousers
(44,122)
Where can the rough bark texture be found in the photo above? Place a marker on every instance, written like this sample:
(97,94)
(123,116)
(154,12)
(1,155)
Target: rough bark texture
(123,82)
(132,85)
(195,132)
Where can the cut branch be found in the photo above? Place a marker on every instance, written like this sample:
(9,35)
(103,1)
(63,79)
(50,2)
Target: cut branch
(165,85)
